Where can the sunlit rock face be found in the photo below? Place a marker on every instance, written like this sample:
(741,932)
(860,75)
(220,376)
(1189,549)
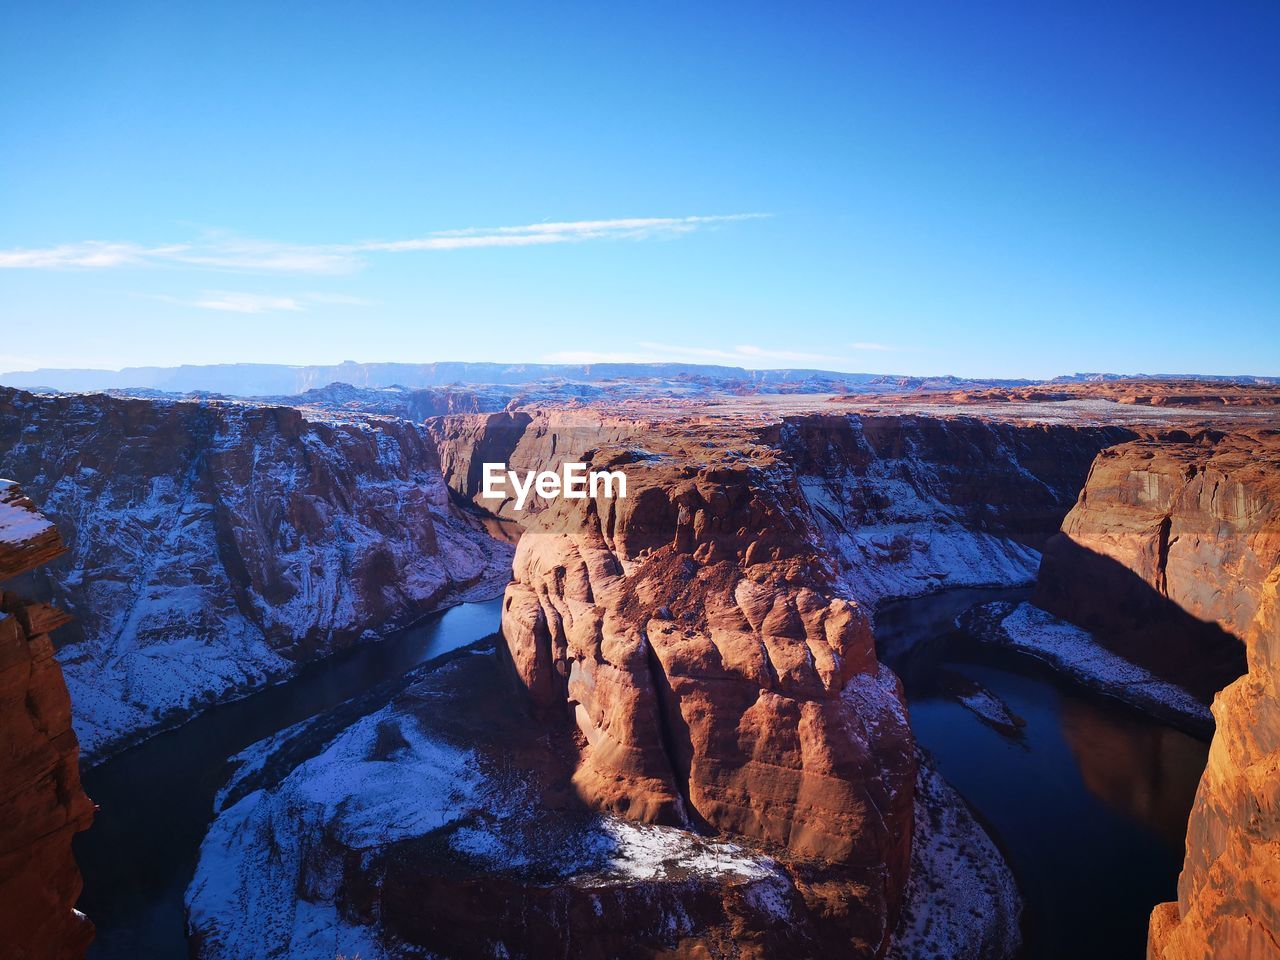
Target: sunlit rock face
(692,634)
(42,804)
(1229,892)
(217,546)
(1174,551)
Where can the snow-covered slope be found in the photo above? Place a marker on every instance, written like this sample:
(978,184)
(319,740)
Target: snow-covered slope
(216,546)
(910,504)
(396,837)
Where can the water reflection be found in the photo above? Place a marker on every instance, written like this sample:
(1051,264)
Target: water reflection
(1088,800)
(1145,772)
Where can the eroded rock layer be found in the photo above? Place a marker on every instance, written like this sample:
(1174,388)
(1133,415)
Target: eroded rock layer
(41,802)
(1229,893)
(216,546)
(717,681)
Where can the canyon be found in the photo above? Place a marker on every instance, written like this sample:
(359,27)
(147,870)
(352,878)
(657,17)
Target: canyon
(699,657)
(684,741)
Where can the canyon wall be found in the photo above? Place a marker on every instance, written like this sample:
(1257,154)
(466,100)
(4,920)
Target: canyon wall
(1228,508)
(217,546)
(42,804)
(1229,892)
(1173,553)
(1164,556)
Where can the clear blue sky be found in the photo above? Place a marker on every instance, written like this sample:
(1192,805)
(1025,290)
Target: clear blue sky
(1014,189)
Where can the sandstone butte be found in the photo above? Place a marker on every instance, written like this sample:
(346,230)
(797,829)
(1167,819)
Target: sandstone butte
(42,804)
(1189,525)
(714,679)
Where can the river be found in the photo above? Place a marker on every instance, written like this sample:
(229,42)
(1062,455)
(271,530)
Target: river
(1087,798)
(156,800)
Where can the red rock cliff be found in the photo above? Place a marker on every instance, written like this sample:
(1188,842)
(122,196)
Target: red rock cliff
(714,677)
(1166,551)
(1228,905)
(41,802)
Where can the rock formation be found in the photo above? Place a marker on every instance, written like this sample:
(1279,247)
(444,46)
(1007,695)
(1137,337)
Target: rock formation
(717,681)
(215,546)
(700,632)
(1229,892)
(444,824)
(1165,553)
(41,802)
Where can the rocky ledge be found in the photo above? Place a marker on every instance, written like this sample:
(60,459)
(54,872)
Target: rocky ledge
(443,824)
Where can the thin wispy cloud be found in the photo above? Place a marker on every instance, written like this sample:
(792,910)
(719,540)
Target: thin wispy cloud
(227,301)
(246,255)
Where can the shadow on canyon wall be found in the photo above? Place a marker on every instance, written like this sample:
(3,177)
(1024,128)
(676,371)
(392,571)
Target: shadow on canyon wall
(1136,620)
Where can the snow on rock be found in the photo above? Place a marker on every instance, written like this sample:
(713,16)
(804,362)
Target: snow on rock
(217,546)
(263,881)
(27,538)
(911,505)
(1028,629)
(985,705)
(962,901)
(19,521)
(303,867)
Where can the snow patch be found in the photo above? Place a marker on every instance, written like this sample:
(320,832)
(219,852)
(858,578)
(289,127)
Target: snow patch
(1075,652)
(961,901)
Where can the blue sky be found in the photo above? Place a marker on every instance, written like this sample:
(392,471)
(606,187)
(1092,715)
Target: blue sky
(1002,189)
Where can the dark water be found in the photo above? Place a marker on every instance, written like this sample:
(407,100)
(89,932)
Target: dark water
(1088,800)
(156,800)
